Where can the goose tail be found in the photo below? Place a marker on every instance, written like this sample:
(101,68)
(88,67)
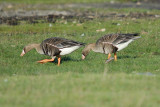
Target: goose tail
(134,35)
(83,44)
(137,37)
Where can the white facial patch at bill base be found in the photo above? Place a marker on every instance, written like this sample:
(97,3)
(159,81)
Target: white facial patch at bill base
(22,52)
(83,57)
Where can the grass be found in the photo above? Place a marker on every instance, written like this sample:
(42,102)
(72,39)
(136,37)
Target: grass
(63,1)
(131,81)
(72,89)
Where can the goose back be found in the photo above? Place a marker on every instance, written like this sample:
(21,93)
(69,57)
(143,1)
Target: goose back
(116,39)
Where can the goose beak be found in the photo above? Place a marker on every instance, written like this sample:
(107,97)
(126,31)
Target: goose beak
(22,53)
(83,57)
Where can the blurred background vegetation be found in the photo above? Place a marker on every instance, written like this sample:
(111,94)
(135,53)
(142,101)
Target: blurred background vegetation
(75,1)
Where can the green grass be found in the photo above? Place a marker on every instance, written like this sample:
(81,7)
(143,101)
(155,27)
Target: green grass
(72,89)
(63,1)
(90,82)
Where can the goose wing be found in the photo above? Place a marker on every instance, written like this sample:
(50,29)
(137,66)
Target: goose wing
(62,42)
(117,38)
(110,38)
(52,46)
(124,38)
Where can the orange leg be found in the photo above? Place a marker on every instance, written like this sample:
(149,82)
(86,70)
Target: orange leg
(45,61)
(59,61)
(115,56)
(109,55)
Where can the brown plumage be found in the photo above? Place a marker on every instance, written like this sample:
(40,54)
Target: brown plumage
(110,43)
(53,47)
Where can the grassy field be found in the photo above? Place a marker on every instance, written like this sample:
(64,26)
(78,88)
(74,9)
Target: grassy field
(132,81)
(63,1)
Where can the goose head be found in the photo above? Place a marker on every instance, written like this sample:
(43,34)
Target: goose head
(87,49)
(29,47)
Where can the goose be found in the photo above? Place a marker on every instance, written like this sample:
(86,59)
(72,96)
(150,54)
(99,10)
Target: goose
(53,47)
(109,44)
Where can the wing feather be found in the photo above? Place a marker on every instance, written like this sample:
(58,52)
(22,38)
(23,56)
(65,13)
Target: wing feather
(116,39)
(52,45)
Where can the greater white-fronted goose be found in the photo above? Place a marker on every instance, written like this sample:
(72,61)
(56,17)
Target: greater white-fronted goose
(110,43)
(54,47)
